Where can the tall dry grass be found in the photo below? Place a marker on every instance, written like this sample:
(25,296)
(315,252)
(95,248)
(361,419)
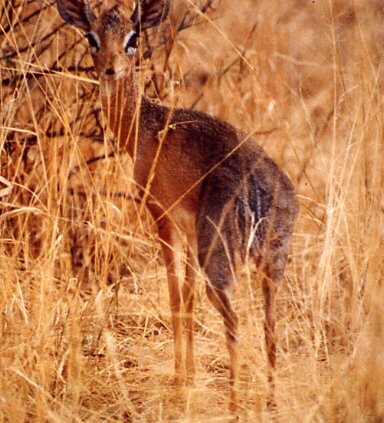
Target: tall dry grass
(85,327)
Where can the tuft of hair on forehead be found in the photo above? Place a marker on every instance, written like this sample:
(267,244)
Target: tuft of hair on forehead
(113,19)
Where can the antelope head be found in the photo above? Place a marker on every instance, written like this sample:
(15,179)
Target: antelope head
(113,36)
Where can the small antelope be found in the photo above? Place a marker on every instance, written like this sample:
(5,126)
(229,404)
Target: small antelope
(203,181)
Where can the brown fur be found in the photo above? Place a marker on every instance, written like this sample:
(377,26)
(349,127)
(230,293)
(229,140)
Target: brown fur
(203,180)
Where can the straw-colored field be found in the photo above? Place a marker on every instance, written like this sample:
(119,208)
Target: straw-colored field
(84,314)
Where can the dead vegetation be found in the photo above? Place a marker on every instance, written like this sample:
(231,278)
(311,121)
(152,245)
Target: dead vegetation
(84,323)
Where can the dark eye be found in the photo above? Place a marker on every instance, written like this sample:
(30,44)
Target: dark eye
(130,43)
(94,41)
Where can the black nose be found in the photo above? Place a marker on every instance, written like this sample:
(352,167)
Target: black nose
(109,71)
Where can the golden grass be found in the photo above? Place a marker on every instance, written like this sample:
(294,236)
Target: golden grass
(84,323)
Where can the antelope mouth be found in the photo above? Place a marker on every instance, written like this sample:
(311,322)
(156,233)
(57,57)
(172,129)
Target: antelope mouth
(119,75)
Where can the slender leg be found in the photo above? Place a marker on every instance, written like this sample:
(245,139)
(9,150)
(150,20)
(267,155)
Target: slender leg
(189,304)
(220,300)
(172,249)
(269,291)
(213,234)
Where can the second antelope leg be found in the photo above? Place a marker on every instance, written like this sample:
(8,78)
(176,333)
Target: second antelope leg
(172,249)
(269,291)
(217,267)
(189,305)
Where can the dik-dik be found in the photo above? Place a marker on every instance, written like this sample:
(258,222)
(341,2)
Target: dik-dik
(204,182)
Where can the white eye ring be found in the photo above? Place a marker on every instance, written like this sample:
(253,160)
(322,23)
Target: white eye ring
(131,51)
(94,42)
(130,38)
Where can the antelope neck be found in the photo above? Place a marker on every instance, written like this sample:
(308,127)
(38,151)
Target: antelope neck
(129,114)
(120,101)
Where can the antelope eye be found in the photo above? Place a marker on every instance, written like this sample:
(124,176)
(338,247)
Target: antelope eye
(94,41)
(130,43)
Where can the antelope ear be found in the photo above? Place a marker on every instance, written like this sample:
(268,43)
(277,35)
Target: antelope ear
(149,13)
(77,13)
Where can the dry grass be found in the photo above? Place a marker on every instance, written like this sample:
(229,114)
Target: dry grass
(84,323)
